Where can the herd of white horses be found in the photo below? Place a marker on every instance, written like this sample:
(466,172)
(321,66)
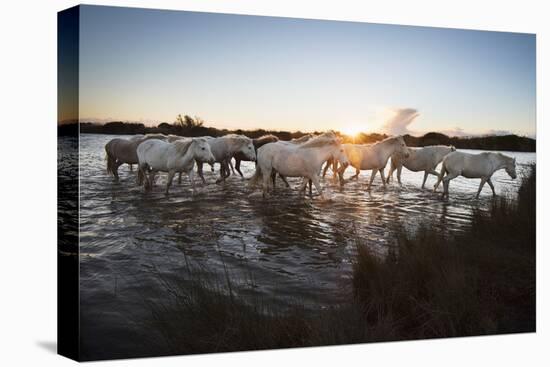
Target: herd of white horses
(303,158)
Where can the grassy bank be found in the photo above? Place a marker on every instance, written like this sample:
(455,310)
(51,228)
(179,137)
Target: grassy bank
(480,282)
(430,285)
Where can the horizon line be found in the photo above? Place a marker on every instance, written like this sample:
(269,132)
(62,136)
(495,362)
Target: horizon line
(410,133)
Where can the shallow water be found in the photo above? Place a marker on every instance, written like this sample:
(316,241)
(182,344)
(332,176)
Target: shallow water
(282,248)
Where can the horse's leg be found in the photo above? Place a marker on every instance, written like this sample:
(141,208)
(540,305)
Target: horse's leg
(231,165)
(446,181)
(303,186)
(170,178)
(222,171)
(222,168)
(383,178)
(483,180)
(373,173)
(315,180)
(356,175)
(179,179)
(310,191)
(152,179)
(273,178)
(131,167)
(399,169)
(433,172)
(341,178)
(445,189)
(440,177)
(192,179)
(334,171)
(211,166)
(238,167)
(148,181)
(390,172)
(227,165)
(265,185)
(426,173)
(492,186)
(116,164)
(141,174)
(325,169)
(341,171)
(199,172)
(284,180)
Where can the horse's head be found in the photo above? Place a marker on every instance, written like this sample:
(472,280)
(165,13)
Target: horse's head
(202,151)
(339,154)
(510,167)
(402,147)
(247,148)
(453,149)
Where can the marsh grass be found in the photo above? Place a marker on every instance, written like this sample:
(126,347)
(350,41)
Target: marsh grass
(475,283)
(430,285)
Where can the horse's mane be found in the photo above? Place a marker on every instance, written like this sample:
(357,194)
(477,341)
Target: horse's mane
(172,138)
(136,137)
(328,138)
(183,145)
(267,137)
(302,139)
(151,136)
(388,140)
(506,157)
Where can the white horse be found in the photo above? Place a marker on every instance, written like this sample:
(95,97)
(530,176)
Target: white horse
(297,160)
(224,148)
(292,142)
(481,165)
(375,156)
(172,138)
(179,156)
(420,159)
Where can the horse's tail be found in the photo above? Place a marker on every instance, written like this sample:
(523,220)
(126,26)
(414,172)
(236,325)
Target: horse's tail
(110,161)
(256,177)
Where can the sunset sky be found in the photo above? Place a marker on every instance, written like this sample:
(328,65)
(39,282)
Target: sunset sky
(293,74)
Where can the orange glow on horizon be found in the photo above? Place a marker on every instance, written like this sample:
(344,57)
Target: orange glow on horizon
(353,129)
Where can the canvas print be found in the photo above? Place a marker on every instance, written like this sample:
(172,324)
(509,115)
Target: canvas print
(233,183)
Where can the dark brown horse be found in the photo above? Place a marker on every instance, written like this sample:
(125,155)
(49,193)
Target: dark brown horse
(263,140)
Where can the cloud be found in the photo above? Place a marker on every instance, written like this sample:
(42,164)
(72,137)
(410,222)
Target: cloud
(399,121)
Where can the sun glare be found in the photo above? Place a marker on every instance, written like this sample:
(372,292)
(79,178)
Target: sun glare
(353,129)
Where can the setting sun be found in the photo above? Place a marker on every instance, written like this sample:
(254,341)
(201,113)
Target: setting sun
(352,129)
